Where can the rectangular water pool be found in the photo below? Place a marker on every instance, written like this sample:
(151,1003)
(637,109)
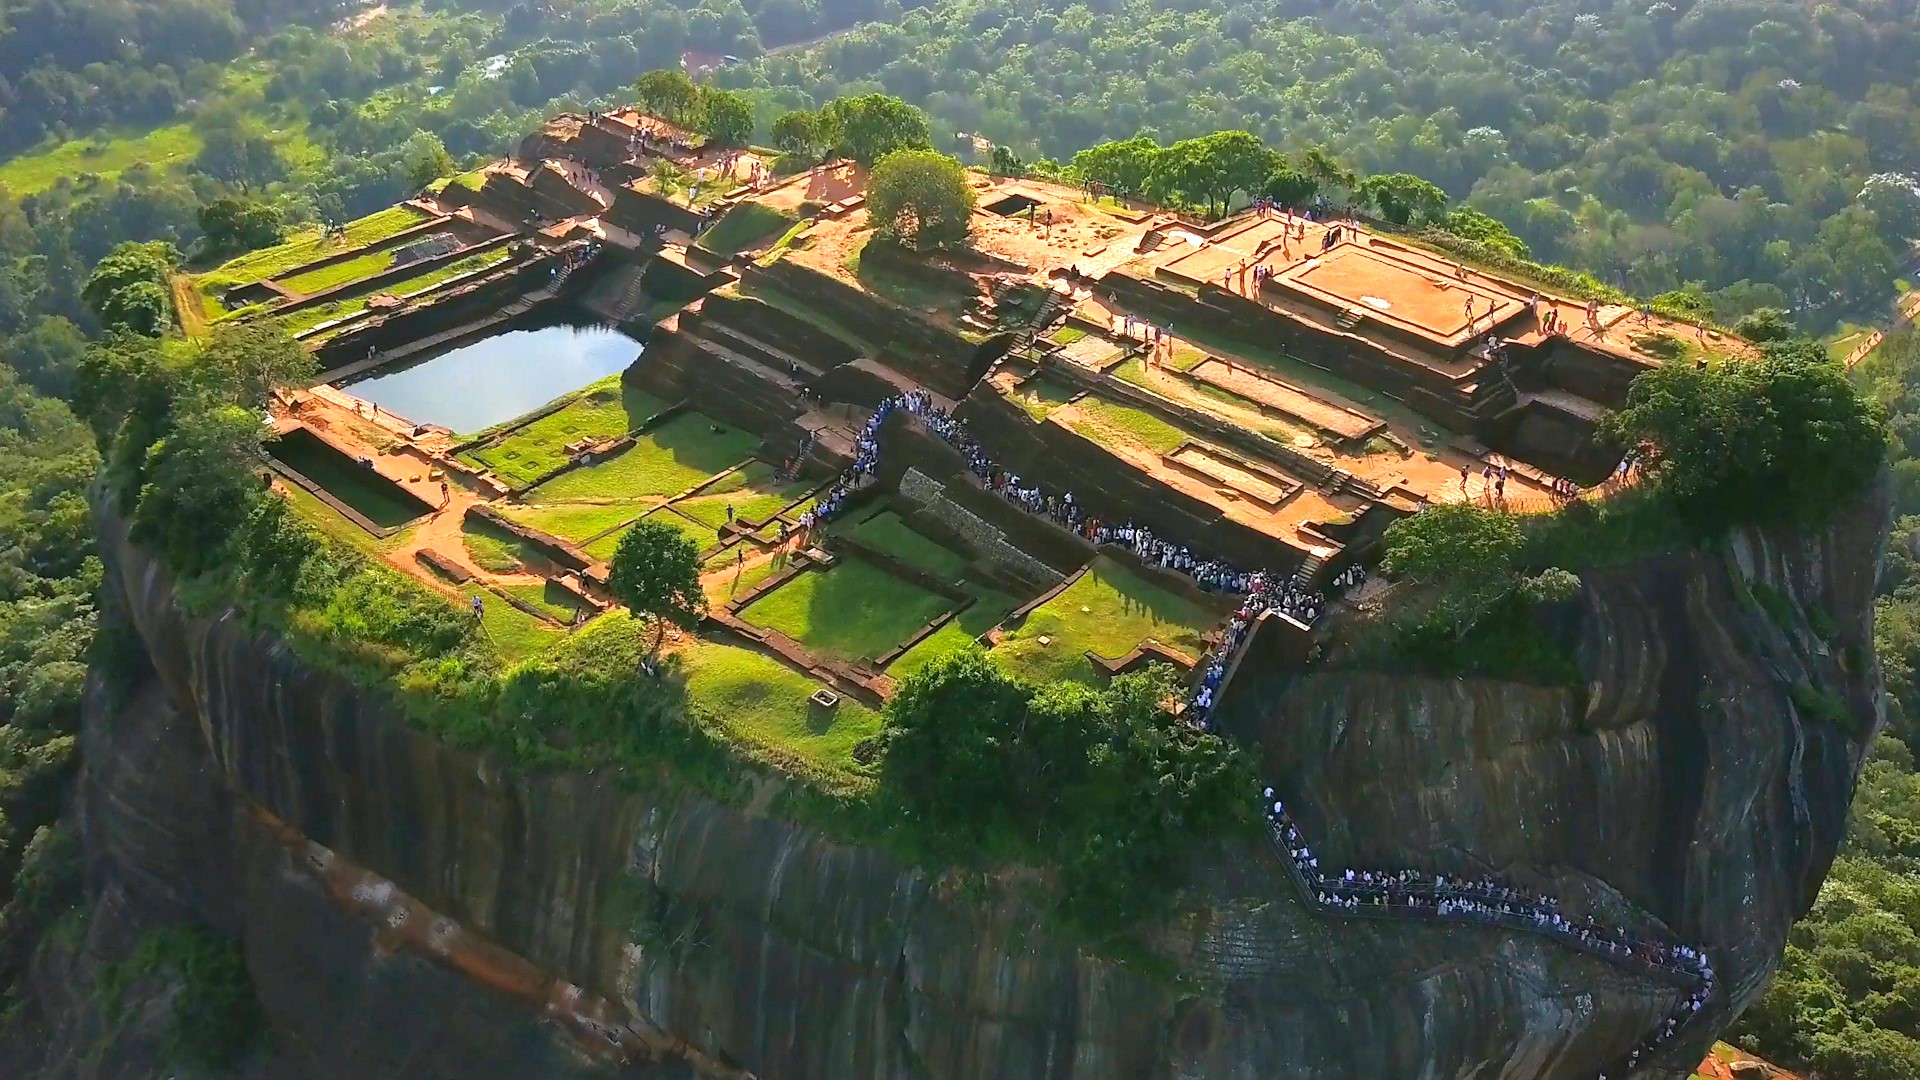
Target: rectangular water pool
(495,379)
(373,496)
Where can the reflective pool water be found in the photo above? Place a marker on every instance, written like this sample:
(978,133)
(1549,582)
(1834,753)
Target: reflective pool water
(495,379)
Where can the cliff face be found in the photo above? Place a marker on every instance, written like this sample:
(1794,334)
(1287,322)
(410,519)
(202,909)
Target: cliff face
(411,909)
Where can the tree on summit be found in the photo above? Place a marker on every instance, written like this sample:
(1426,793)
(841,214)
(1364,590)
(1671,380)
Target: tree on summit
(919,197)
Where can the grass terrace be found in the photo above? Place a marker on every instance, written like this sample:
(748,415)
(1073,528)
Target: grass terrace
(1112,424)
(378,499)
(702,535)
(574,522)
(548,597)
(1246,412)
(888,532)
(1109,610)
(302,248)
(405,288)
(515,634)
(605,409)
(496,550)
(667,460)
(1040,395)
(762,706)
(853,611)
(751,490)
(988,609)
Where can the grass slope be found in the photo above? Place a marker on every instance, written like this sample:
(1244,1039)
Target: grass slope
(989,607)
(887,532)
(745,225)
(1107,422)
(1109,611)
(303,248)
(308,318)
(761,704)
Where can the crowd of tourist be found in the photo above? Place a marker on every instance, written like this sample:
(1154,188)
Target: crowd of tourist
(1399,893)
(1488,901)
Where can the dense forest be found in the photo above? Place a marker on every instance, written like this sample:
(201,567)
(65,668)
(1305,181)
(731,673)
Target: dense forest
(1763,149)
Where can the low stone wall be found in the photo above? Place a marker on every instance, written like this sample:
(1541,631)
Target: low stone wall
(477,300)
(552,547)
(983,539)
(940,359)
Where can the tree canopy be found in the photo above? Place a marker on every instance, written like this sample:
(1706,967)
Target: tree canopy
(871,126)
(1104,783)
(919,197)
(655,572)
(1780,439)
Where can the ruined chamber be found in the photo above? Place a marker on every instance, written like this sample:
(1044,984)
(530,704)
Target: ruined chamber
(1684,785)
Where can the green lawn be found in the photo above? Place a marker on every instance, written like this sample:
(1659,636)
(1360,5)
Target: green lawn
(744,225)
(1107,421)
(762,705)
(326,277)
(886,532)
(604,409)
(853,611)
(405,288)
(514,633)
(750,490)
(164,147)
(702,535)
(548,597)
(304,247)
(574,522)
(988,609)
(737,582)
(335,525)
(669,459)
(1109,610)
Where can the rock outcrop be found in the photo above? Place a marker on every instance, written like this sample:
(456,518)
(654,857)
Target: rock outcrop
(577,920)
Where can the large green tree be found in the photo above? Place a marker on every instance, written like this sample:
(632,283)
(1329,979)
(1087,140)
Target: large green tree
(871,126)
(1782,438)
(655,572)
(669,94)
(1402,198)
(128,289)
(727,117)
(920,197)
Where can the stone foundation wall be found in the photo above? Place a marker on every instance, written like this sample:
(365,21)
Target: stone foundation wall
(1113,489)
(982,538)
(1219,312)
